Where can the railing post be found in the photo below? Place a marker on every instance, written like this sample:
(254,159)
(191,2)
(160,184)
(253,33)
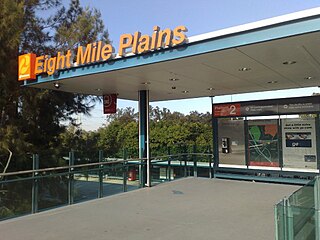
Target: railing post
(276,222)
(210,157)
(169,164)
(141,173)
(194,156)
(317,207)
(100,193)
(289,231)
(185,157)
(280,220)
(35,185)
(125,170)
(71,181)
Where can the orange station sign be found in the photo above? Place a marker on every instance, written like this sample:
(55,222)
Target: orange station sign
(27,67)
(31,65)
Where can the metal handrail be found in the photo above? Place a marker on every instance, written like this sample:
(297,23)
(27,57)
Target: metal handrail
(62,168)
(182,154)
(52,169)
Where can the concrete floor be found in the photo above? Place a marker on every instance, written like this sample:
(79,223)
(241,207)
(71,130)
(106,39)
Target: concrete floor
(191,208)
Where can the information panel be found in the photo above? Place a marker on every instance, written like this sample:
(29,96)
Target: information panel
(299,143)
(268,107)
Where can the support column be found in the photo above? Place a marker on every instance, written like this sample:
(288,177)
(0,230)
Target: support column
(144,171)
(215,142)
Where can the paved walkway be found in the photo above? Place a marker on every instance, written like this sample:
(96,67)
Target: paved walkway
(192,208)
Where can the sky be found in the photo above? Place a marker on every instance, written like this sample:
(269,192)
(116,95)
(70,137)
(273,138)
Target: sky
(200,16)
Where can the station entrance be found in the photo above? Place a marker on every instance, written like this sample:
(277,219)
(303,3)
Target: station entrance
(280,136)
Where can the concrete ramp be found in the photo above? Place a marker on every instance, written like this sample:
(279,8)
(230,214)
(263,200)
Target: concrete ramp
(190,208)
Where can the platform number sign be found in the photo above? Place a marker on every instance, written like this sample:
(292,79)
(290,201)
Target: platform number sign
(110,103)
(226,110)
(26,69)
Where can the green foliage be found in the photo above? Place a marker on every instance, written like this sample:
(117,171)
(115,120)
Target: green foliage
(30,119)
(79,26)
(167,130)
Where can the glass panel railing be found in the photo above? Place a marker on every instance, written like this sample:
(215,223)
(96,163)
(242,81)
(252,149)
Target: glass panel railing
(86,185)
(15,198)
(83,178)
(297,217)
(302,221)
(52,191)
(303,197)
(114,177)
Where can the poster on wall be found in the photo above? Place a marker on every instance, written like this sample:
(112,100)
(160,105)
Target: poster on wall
(263,143)
(299,143)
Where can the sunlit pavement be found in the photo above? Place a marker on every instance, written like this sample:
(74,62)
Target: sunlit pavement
(191,208)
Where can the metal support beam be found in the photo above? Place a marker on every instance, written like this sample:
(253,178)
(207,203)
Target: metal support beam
(100,190)
(145,166)
(194,157)
(317,119)
(35,187)
(215,142)
(215,145)
(125,170)
(71,181)
(317,207)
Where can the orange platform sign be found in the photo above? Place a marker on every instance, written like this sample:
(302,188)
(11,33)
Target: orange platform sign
(224,110)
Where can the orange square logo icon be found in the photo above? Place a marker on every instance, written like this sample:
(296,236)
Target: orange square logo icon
(26,67)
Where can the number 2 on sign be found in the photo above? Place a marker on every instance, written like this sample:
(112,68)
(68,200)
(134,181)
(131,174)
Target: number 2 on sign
(233,110)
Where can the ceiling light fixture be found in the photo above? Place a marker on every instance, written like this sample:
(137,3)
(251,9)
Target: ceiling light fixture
(173,79)
(98,89)
(185,91)
(57,85)
(244,69)
(308,78)
(272,82)
(289,62)
(145,83)
(210,89)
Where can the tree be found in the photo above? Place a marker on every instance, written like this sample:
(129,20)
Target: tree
(11,141)
(32,117)
(167,129)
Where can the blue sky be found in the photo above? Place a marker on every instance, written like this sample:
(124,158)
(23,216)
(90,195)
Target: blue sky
(200,16)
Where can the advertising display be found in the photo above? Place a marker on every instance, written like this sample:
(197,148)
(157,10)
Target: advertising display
(299,143)
(263,143)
